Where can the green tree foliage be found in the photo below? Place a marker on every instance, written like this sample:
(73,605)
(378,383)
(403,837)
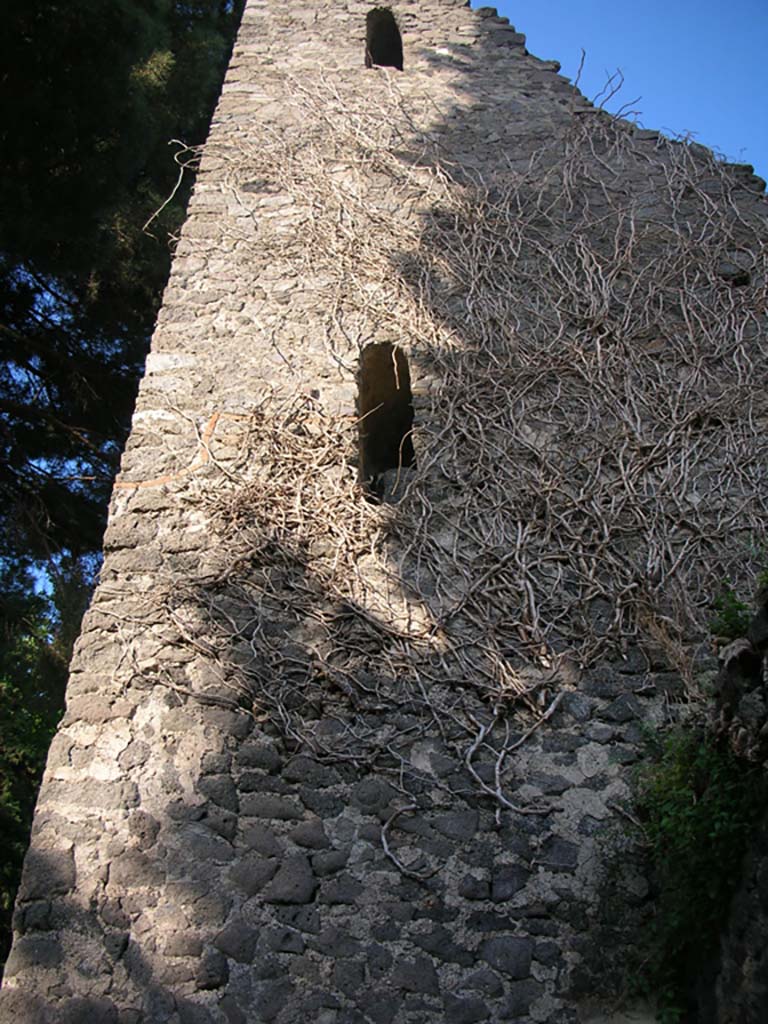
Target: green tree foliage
(92,94)
(37,632)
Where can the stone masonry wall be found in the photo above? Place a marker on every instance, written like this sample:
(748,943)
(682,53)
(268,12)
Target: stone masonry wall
(331,761)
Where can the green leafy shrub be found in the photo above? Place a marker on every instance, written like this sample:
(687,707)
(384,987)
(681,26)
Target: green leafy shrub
(698,805)
(732,616)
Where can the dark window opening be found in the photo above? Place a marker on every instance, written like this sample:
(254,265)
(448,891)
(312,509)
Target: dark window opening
(385,408)
(383,43)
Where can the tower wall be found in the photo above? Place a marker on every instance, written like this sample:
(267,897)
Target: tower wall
(331,759)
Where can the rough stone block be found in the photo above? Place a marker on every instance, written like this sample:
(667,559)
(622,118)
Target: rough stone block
(417,975)
(294,882)
(237,940)
(47,873)
(509,954)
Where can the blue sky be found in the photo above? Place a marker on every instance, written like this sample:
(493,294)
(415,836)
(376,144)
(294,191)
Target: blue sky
(698,67)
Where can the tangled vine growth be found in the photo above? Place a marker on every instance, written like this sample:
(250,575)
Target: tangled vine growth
(585,338)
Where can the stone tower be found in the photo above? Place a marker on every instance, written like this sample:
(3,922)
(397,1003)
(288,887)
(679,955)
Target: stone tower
(449,427)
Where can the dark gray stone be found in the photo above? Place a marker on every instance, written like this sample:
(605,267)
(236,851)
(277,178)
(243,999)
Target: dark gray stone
(213,971)
(115,944)
(439,943)
(344,889)
(183,944)
(223,823)
(484,980)
(330,861)
(464,1009)
(177,972)
(293,883)
(417,975)
(319,1001)
(193,1013)
(401,911)
(434,909)
(387,931)
(252,872)
(158,1004)
(382,1006)
(350,1015)
(506,880)
(336,942)
(547,953)
(370,832)
(267,969)
(311,834)
(86,1010)
(47,873)
(216,763)
(33,917)
(412,824)
(113,914)
(235,724)
(258,782)
(603,681)
(573,913)
(306,770)
(522,994)
(600,732)
(373,795)
(349,976)
(272,997)
(238,941)
(180,810)
(633,733)
(541,926)
(379,960)
(144,828)
(515,840)
(135,868)
(264,805)
(459,825)
(625,708)
(325,805)
(510,954)
(221,790)
(229,1007)
(562,743)
(203,845)
(210,909)
(559,854)
(461,783)
(284,940)
(137,966)
(576,706)
(486,921)
(550,785)
(33,951)
(263,840)
(305,918)
(472,888)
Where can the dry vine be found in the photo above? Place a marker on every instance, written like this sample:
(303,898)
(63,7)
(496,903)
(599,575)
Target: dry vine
(591,448)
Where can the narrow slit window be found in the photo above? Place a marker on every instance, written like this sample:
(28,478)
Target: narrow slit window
(385,408)
(383,42)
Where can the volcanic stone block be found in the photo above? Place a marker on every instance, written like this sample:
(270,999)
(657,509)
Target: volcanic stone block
(294,882)
(46,873)
(509,954)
